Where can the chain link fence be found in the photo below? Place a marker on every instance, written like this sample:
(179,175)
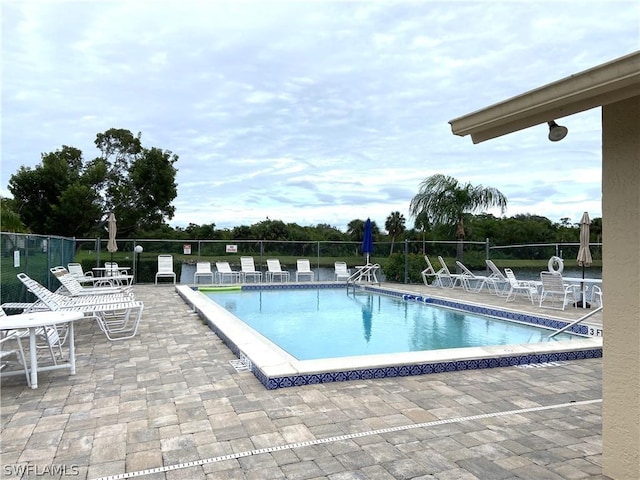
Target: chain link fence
(401,261)
(33,255)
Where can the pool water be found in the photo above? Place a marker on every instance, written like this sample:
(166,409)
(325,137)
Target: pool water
(325,323)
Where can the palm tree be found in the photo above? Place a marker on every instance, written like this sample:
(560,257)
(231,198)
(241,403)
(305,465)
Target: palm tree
(444,200)
(395,225)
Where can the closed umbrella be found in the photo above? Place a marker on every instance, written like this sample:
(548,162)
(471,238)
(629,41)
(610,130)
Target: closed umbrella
(367,239)
(112,246)
(584,254)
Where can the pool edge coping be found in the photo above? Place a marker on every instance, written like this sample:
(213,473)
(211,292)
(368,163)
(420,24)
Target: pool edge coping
(275,368)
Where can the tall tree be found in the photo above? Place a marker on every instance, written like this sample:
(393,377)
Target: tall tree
(67,196)
(59,196)
(9,219)
(395,225)
(444,200)
(140,183)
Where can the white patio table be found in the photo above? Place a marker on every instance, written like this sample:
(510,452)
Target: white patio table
(585,283)
(35,320)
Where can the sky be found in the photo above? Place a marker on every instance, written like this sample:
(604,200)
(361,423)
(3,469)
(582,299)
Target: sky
(311,112)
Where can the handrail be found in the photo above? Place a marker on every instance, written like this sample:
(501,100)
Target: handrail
(368,271)
(569,325)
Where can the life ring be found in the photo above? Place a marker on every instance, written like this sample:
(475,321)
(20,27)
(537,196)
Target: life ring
(553,261)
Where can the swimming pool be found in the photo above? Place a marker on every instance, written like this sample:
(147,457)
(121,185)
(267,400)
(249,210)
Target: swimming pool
(313,324)
(276,368)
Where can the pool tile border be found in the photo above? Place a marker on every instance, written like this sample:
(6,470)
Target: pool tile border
(419,368)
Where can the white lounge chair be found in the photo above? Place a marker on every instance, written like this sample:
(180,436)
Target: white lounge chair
(473,282)
(118,318)
(165,268)
(74,288)
(554,288)
(431,272)
(274,270)
(203,269)
(445,275)
(224,272)
(341,271)
(499,280)
(303,269)
(248,270)
(524,287)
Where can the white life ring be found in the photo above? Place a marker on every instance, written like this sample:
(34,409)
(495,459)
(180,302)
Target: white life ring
(553,262)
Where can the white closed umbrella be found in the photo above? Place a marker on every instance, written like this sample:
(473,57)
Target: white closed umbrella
(112,246)
(584,254)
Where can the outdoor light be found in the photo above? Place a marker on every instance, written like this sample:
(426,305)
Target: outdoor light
(138,249)
(556,132)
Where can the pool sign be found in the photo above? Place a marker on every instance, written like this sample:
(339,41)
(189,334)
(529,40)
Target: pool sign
(232,249)
(187,249)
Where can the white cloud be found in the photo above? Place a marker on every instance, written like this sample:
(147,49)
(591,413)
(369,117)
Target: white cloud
(310,112)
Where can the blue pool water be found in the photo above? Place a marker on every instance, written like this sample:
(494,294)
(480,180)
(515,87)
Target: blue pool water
(325,323)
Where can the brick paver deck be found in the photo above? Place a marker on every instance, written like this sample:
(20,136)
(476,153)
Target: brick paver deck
(168,404)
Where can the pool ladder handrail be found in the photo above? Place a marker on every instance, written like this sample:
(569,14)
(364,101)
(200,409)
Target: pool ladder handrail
(367,271)
(569,325)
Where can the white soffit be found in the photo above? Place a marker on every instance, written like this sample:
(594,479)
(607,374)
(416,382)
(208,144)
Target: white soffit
(607,83)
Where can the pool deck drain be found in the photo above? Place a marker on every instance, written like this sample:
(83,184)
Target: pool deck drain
(319,441)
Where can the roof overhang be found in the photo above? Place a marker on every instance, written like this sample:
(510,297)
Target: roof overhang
(601,85)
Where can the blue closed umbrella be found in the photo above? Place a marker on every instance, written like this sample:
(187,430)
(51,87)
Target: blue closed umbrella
(367,239)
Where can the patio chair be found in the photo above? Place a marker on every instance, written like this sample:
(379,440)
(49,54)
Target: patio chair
(7,338)
(117,317)
(274,270)
(341,271)
(430,272)
(303,269)
(554,288)
(248,270)
(524,287)
(203,269)
(112,269)
(75,269)
(224,271)
(75,289)
(444,274)
(473,282)
(47,337)
(499,280)
(165,268)
(114,275)
(596,295)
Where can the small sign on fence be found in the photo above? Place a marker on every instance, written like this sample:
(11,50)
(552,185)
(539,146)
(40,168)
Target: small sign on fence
(232,249)
(187,249)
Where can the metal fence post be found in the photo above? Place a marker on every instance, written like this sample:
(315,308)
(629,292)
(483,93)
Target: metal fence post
(406,261)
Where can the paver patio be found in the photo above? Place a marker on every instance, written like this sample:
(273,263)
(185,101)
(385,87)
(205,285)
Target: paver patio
(168,404)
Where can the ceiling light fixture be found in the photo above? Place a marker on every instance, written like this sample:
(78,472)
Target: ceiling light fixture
(556,132)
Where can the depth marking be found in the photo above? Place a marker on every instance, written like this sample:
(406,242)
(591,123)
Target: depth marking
(348,436)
